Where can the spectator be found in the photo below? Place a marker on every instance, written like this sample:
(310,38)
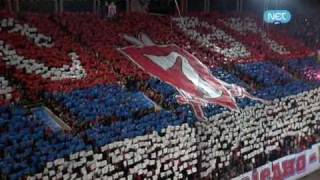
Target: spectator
(112,10)
(106,8)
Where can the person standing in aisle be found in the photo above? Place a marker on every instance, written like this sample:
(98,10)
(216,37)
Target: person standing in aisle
(106,7)
(112,10)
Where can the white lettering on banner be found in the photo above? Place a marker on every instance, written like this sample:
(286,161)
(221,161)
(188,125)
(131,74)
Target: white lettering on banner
(31,66)
(289,167)
(249,25)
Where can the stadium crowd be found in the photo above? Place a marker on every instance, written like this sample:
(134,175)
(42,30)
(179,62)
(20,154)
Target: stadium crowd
(128,125)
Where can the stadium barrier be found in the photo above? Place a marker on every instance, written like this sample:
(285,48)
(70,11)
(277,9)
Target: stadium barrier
(293,166)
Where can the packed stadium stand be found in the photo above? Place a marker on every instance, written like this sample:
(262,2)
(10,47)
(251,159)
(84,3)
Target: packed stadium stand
(75,104)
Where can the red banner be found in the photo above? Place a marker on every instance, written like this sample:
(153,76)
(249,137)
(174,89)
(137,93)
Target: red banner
(193,80)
